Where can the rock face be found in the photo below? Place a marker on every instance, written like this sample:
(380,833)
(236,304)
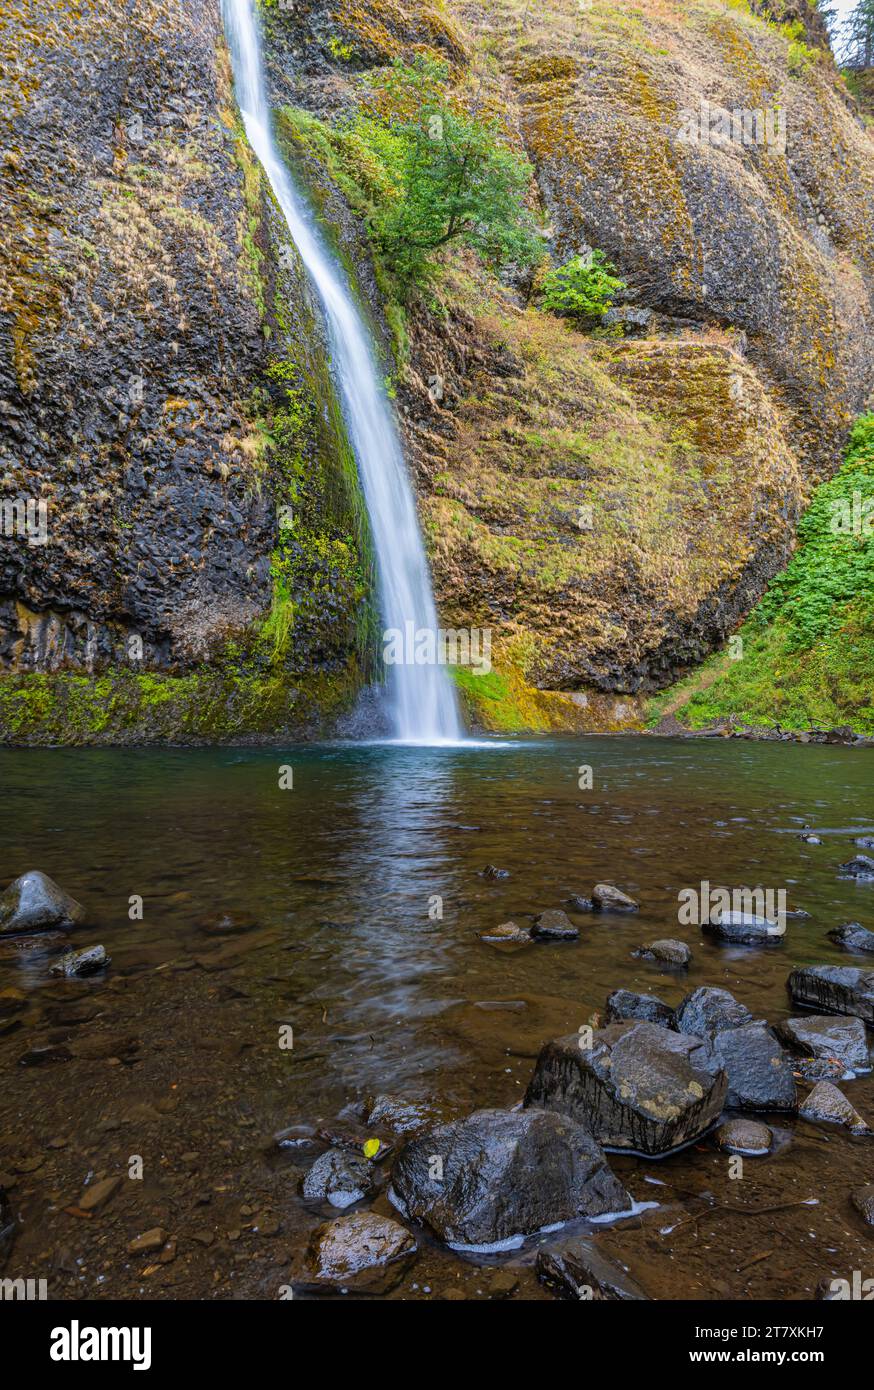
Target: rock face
(580,1271)
(151,341)
(759,1072)
(504,1175)
(707,1011)
(839,989)
(623,1005)
(339,1179)
(841,1039)
(641,1087)
(35,903)
(362,1252)
(853,937)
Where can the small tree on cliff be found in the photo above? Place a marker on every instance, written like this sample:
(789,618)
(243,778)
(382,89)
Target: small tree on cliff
(859,36)
(453,178)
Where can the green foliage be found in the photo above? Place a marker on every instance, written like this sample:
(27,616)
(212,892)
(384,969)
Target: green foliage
(835,560)
(808,648)
(582,289)
(448,175)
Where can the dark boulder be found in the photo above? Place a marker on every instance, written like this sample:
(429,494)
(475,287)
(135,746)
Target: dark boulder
(708,1010)
(828,1039)
(361,1252)
(639,1087)
(581,1272)
(554,925)
(852,936)
(759,1072)
(497,1176)
(35,903)
(340,1179)
(743,928)
(623,1005)
(606,898)
(861,867)
(837,989)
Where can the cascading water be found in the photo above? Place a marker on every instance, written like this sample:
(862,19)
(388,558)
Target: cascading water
(422,700)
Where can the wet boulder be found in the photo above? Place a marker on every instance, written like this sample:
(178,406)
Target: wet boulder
(493,873)
(581,1272)
(743,928)
(554,925)
(742,1136)
(828,1105)
(852,936)
(497,1176)
(79,963)
(860,867)
(35,903)
(709,1010)
(361,1252)
(579,904)
(639,1087)
(401,1115)
(865,842)
(624,1004)
(665,951)
(759,1071)
(606,898)
(837,989)
(507,933)
(340,1179)
(828,1038)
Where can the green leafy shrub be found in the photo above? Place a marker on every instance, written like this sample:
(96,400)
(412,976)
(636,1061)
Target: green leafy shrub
(448,175)
(582,289)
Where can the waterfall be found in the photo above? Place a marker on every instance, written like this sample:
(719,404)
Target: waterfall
(421,697)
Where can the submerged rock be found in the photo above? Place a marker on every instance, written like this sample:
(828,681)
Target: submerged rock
(743,928)
(863,1200)
(709,1010)
(606,898)
(35,903)
(87,962)
(491,872)
(828,1105)
(623,1005)
(865,842)
(742,1136)
(666,951)
(839,989)
(498,1175)
(400,1115)
(362,1252)
(640,1087)
(580,1271)
(508,932)
(861,867)
(578,904)
(555,925)
(829,1039)
(339,1178)
(759,1071)
(852,936)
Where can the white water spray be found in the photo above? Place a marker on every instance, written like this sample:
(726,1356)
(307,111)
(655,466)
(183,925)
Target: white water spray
(422,699)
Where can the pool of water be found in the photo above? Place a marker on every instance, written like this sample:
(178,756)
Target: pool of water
(358,905)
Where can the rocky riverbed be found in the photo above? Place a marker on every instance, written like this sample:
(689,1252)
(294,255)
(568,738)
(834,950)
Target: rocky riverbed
(304,1064)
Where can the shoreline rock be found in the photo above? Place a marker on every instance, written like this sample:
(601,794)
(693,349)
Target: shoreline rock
(835,989)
